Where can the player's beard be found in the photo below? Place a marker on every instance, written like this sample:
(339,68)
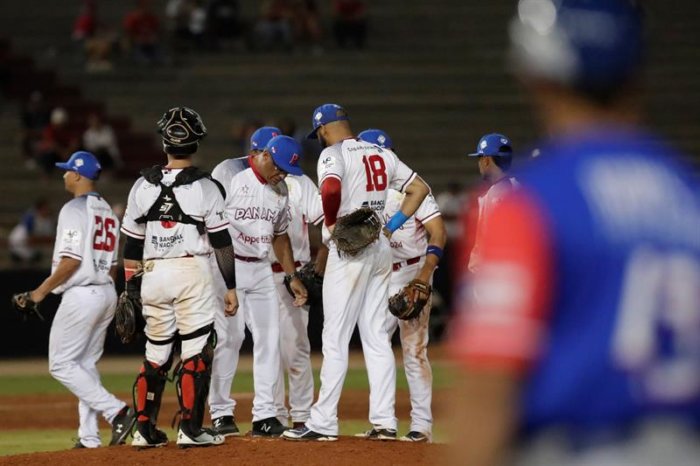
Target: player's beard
(322,142)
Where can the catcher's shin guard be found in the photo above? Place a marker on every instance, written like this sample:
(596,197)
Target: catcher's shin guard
(148,389)
(192,383)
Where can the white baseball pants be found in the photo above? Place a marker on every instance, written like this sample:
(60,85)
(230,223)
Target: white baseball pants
(259,310)
(414,343)
(355,292)
(76,343)
(295,355)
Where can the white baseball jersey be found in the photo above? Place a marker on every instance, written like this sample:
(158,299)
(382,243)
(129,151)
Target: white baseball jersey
(257,211)
(411,239)
(366,172)
(201,200)
(487,202)
(87,231)
(304,208)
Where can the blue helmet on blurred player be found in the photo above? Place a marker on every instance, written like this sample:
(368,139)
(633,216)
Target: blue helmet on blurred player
(593,46)
(378,137)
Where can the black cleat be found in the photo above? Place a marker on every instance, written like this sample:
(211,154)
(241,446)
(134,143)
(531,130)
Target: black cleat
(225,425)
(122,425)
(270,427)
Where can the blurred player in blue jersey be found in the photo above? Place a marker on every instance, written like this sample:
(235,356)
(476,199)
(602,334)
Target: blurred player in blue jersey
(579,336)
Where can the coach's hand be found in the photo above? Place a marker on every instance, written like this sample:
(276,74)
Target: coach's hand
(231,303)
(299,290)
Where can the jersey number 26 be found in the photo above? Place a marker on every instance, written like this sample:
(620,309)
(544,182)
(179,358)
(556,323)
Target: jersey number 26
(104,239)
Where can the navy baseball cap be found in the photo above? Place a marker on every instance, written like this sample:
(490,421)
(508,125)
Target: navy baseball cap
(493,145)
(326,113)
(286,153)
(592,45)
(378,137)
(83,163)
(262,136)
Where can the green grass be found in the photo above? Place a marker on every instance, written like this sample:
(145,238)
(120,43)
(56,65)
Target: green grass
(122,383)
(15,442)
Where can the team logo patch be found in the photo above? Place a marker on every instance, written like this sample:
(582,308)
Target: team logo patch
(504,141)
(318,116)
(381,139)
(294,159)
(484,144)
(79,162)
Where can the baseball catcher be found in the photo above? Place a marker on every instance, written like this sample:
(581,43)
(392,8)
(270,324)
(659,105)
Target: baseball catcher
(23,303)
(408,303)
(357,230)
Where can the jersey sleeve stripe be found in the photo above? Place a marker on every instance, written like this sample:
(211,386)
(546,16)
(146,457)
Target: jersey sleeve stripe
(429,217)
(218,227)
(70,254)
(330,175)
(318,220)
(132,234)
(408,181)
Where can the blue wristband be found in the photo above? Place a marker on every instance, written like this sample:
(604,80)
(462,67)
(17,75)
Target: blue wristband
(434,250)
(395,222)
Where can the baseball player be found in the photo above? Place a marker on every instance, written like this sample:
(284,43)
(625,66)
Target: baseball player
(353,174)
(304,209)
(256,206)
(495,155)
(83,270)
(581,338)
(175,217)
(417,247)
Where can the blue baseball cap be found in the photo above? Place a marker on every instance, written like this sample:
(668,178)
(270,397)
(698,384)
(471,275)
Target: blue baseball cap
(262,136)
(378,137)
(591,45)
(493,145)
(286,153)
(83,163)
(326,113)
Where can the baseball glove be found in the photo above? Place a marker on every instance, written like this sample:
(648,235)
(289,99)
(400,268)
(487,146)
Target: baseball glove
(23,303)
(408,303)
(128,318)
(357,230)
(313,283)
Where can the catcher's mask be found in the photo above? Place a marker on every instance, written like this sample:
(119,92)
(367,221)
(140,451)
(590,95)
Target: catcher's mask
(181,129)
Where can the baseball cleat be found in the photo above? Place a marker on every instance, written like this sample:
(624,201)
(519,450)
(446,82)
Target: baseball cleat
(78,445)
(270,427)
(122,425)
(226,426)
(378,433)
(304,434)
(147,436)
(415,436)
(204,438)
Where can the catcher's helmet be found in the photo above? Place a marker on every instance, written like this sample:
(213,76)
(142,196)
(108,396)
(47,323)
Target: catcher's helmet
(594,46)
(181,129)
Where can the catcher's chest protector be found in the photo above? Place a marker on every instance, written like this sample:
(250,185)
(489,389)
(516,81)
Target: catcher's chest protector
(166,208)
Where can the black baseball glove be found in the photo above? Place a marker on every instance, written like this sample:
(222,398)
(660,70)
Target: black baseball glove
(357,230)
(128,318)
(22,302)
(313,283)
(408,303)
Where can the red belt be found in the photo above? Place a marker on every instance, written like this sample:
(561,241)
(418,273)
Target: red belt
(398,265)
(277,267)
(247,259)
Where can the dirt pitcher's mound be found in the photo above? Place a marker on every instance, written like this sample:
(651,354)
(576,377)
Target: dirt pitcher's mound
(246,450)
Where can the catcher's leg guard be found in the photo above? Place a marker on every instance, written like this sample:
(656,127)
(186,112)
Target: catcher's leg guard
(148,389)
(193,383)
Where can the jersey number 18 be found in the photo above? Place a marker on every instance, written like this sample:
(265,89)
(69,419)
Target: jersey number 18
(375,169)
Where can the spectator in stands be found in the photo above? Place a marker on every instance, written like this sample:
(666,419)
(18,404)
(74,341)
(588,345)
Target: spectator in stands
(198,23)
(95,41)
(142,30)
(99,138)
(178,19)
(307,25)
(35,229)
(350,23)
(224,22)
(274,27)
(57,141)
(35,117)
